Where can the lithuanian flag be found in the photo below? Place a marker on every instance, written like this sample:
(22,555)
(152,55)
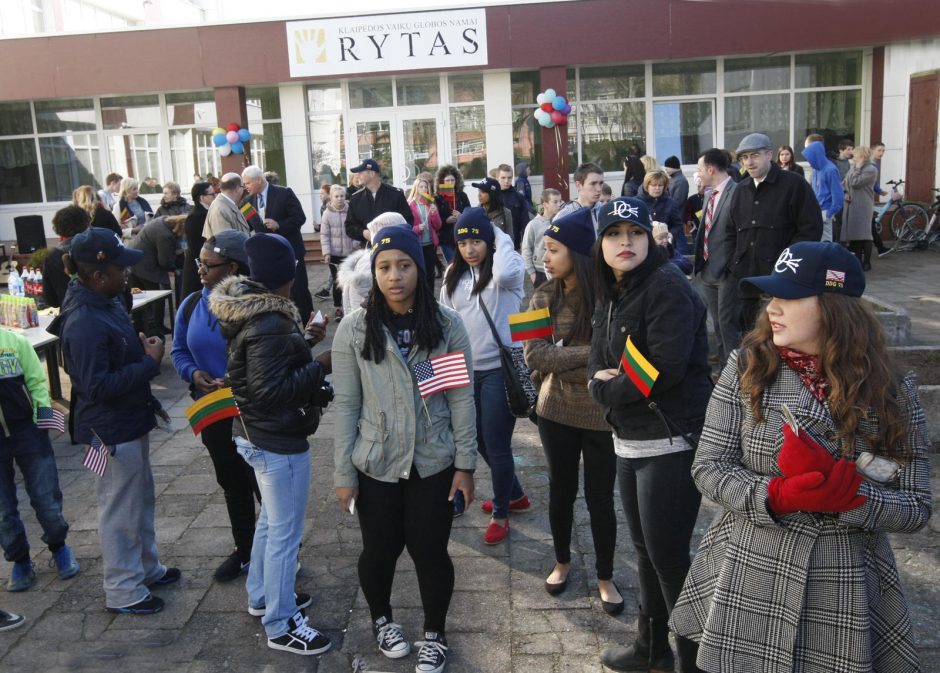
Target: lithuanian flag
(248,210)
(212,408)
(530,325)
(126,214)
(640,370)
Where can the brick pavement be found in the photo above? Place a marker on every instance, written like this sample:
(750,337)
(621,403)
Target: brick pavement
(501,619)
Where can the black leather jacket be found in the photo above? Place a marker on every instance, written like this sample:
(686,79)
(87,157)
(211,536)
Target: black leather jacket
(272,374)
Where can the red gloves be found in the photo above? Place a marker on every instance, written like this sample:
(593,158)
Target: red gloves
(801,454)
(814,492)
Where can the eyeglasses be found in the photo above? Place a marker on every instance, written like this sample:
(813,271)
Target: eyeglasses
(202,266)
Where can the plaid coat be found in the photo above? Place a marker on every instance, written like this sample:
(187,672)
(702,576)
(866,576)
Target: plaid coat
(803,593)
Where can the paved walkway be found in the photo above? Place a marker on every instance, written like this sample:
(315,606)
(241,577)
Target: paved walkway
(501,620)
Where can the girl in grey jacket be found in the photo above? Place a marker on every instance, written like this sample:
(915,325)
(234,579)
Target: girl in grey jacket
(403,451)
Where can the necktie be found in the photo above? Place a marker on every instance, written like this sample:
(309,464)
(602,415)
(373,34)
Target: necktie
(261,205)
(709,214)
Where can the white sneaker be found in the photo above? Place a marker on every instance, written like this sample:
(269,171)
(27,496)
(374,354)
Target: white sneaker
(432,655)
(302,639)
(391,641)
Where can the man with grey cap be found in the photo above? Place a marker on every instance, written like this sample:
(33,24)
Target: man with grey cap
(770,209)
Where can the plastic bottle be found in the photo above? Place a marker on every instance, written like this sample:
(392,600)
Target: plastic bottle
(28,282)
(40,286)
(15,283)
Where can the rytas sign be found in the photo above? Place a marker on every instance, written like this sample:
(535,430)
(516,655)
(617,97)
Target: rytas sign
(420,41)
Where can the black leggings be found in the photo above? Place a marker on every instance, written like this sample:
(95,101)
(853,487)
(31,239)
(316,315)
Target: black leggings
(237,479)
(336,288)
(564,446)
(412,513)
(430,263)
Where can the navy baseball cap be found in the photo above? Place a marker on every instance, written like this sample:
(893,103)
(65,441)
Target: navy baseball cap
(488,184)
(623,209)
(102,246)
(367,165)
(809,268)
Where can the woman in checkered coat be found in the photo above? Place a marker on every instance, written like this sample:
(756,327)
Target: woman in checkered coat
(797,573)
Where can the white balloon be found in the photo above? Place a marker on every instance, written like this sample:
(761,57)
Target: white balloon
(550,94)
(540,98)
(225,150)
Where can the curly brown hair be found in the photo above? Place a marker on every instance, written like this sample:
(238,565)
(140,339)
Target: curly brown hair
(853,359)
(443,172)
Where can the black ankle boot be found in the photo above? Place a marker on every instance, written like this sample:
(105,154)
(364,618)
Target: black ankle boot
(866,256)
(661,658)
(688,651)
(649,653)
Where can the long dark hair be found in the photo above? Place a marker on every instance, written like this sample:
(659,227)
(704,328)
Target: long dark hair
(428,329)
(854,360)
(790,164)
(495,206)
(633,169)
(459,266)
(606,286)
(584,274)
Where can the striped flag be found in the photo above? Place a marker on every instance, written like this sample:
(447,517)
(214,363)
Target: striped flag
(96,458)
(425,198)
(50,418)
(248,210)
(441,373)
(447,191)
(640,370)
(126,214)
(530,325)
(212,408)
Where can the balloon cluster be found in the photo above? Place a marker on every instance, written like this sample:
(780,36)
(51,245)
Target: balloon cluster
(231,140)
(553,109)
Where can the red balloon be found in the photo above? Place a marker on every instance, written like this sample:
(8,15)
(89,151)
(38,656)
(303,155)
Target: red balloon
(233,127)
(546,106)
(559,117)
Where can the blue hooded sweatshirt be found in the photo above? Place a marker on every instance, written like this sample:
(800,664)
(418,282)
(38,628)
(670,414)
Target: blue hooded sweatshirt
(826,180)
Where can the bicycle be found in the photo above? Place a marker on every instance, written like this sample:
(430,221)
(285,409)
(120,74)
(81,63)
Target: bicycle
(904,211)
(913,232)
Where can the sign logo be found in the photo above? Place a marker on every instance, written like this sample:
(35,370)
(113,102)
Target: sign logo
(835,278)
(624,210)
(369,44)
(787,262)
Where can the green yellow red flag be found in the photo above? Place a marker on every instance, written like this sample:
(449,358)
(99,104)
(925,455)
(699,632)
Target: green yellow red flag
(530,325)
(212,408)
(640,370)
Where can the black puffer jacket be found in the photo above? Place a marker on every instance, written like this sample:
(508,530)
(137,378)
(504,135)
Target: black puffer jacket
(665,317)
(270,368)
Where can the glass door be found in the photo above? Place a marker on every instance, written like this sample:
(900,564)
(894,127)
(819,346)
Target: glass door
(684,128)
(404,143)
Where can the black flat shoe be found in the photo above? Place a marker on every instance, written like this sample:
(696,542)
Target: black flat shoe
(555,589)
(613,609)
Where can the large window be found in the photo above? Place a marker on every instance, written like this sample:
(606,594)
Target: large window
(829,97)
(467,125)
(267,134)
(526,132)
(192,117)
(327,141)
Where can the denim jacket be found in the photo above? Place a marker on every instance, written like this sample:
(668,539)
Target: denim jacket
(382,428)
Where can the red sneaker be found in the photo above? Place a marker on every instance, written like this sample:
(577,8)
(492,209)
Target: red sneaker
(520,505)
(495,533)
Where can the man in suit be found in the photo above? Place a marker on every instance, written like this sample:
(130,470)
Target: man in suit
(224,213)
(275,209)
(373,198)
(710,272)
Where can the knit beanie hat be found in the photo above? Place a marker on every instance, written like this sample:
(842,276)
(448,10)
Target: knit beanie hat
(399,238)
(576,231)
(474,223)
(271,260)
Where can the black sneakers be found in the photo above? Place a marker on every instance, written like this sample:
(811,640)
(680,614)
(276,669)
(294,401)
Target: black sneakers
(10,620)
(303,601)
(149,606)
(230,569)
(432,655)
(391,641)
(169,577)
(301,639)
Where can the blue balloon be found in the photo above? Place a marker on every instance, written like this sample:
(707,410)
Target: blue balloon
(238,147)
(244,135)
(219,139)
(559,102)
(567,110)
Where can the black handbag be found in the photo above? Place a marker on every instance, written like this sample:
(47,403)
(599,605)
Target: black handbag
(521,393)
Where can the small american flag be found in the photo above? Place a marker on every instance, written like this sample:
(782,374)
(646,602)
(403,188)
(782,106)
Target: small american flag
(838,276)
(441,373)
(96,458)
(49,418)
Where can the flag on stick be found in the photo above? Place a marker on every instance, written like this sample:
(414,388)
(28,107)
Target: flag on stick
(96,457)
(248,210)
(50,418)
(531,325)
(425,198)
(126,214)
(447,191)
(640,370)
(441,373)
(212,408)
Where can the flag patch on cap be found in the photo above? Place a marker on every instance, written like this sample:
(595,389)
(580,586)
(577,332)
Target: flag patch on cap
(835,275)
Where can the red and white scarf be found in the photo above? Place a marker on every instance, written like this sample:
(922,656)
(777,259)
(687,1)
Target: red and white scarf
(807,368)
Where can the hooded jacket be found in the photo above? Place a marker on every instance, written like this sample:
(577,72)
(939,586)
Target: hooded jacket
(22,383)
(826,181)
(270,369)
(109,370)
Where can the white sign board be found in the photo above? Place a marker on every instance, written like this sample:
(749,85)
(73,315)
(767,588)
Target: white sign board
(418,41)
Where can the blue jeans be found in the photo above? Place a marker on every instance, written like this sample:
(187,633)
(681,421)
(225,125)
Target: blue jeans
(284,481)
(31,450)
(495,424)
(449,252)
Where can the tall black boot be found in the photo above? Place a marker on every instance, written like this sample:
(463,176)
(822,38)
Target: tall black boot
(651,648)
(661,658)
(866,256)
(688,651)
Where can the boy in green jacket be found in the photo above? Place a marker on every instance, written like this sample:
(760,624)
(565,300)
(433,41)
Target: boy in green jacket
(25,415)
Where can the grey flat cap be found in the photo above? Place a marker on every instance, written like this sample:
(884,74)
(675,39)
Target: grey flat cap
(753,142)
(231,244)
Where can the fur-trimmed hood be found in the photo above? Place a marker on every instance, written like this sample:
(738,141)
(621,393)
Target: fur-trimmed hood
(237,299)
(354,276)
